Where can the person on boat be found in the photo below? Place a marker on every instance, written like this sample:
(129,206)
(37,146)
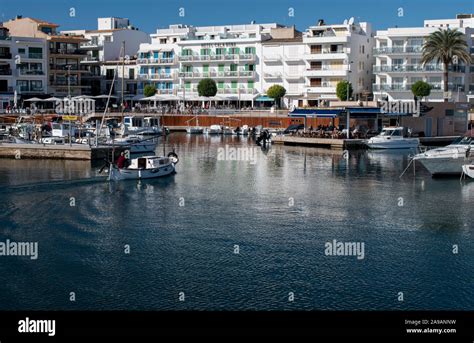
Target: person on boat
(121,160)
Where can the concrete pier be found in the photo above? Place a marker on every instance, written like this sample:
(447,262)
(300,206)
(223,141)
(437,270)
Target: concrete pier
(64,152)
(340,144)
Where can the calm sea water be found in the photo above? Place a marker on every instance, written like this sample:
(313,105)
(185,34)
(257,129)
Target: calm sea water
(183,232)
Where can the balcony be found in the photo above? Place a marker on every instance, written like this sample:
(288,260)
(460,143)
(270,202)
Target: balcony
(23,90)
(272,58)
(217,58)
(5,72)
(293,59)
(289,76)
(326,70)
(68,52)
(272,76)
(323,88)
(29,72)
(91,46)
(90,59)
(329,39)
(63,67)
(236,91)
(170,60)
(416,68)
(32,56)
(327,54)
(5,55)
(158,76)
(397,50)
(217,74)
(406,87)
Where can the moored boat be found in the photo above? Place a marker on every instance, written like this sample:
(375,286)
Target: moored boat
(468,169)
(393,138)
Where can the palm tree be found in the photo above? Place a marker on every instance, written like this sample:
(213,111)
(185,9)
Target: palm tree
(445,46)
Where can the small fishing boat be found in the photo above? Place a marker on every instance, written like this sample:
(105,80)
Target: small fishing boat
(145,167)
(194,129)
(468,169)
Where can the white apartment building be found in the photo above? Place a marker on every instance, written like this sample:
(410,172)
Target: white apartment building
(180,56)
(105,45)
(23,67)
(397,66)
(283,64)
(335,53)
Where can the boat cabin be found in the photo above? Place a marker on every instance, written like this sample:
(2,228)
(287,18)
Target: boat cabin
(149,162)
(63,129)
(394,131)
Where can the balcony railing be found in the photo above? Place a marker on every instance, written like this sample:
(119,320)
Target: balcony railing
(68,51)
(5,71)
(327,51)
(63,67)
(276,75)
(32,55)
(30,72)
(5,55)
(30,89)
(90,59)
(217,74)
(404,68)
(223,57)
(161,60)
(415,49)
(158,76)
(272,58)
(406,87)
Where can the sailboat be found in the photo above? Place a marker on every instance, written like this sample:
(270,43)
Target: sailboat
(194,129)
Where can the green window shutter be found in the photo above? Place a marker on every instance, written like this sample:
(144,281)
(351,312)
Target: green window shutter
(221,67)
(220,85)
(188,85)
(233,67)
(233,84)
(250,84)
(246,67)
(205,68)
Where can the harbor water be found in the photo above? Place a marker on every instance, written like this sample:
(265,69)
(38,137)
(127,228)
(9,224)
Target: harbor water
(238,228)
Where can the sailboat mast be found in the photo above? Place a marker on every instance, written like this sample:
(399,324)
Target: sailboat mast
(123,75)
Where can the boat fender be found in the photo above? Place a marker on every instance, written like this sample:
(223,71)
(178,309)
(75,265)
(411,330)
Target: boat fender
(173,157)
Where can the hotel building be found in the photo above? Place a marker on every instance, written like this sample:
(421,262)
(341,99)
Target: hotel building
(103,49)
(63,54)
(397,66)
(180,56)
(335,53)
(23,67)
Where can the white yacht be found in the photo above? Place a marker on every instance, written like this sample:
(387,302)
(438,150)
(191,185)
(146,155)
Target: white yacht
(143,126)
(146,167)
(448,160)
(393,138)
(134,144)
(214,130)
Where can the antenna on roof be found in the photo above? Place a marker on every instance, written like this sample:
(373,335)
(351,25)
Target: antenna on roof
(345,22)
(351,21)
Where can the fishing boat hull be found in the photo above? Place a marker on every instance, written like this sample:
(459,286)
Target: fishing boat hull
(444,166)
(387,143)
(195,130)
(117,174)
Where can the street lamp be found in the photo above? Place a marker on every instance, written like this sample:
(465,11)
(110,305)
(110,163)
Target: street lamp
(348,117)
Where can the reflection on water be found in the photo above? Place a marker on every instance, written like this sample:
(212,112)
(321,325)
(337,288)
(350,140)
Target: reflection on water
(182,230)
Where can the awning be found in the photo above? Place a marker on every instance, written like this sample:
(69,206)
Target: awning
(315,113)
(34,99)
(264,98)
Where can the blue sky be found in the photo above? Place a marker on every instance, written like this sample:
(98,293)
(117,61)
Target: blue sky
(149,15)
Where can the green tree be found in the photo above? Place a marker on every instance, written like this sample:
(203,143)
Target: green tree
(448,47)
(149,90)
(276,92)
(207,87)
(341,90)
(420,89)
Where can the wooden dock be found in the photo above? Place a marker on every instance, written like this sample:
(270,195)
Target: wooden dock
(339,144)
(62,152)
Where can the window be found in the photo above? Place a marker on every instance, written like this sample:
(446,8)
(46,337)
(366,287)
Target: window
(233,67)
(108,39)
(21,51)
(316,49)
(162,40)
(131,74)
(36,85)
(250,50)
(315,82)
(220,51)
(22,85)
